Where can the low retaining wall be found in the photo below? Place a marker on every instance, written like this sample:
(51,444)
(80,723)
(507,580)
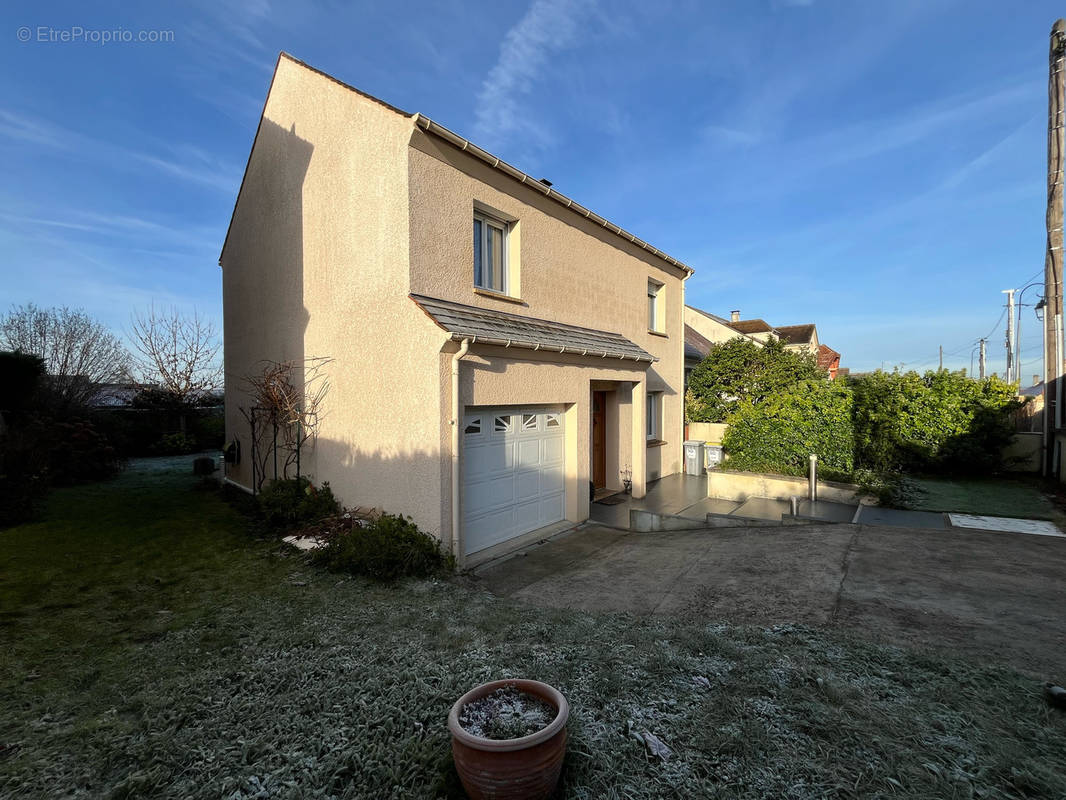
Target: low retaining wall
(1023,453)
(646,521)
(740,486)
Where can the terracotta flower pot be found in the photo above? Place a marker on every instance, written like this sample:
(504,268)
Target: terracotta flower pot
(511,769)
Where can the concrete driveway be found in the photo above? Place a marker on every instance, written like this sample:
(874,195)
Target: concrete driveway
(999,597)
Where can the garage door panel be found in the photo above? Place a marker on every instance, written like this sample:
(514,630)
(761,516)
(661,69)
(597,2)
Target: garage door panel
(489,457)
(552,450)
(488,494)
(527,516)
(512,474)
(552,507)
(551,480)
(490,529)
(528,453)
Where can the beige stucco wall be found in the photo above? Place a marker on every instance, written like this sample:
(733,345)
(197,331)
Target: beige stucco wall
(709,329)
(316,266)
(570,270)
(713,432)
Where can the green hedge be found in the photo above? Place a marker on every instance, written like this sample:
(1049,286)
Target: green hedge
(937,422)
(882,422)
(779,434)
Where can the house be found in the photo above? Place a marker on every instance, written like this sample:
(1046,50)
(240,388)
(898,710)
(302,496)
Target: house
(758,329)
(803,338)
(116,395)
(828,361)
(496,347)
(702,329)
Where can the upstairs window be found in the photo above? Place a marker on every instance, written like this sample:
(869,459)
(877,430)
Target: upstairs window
(490,254)
(655,307)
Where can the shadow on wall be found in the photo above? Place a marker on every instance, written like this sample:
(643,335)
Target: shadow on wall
(401,483)
(263,277)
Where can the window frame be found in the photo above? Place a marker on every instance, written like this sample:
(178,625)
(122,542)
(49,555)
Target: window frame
(653,413)
(487,221)
(656,321)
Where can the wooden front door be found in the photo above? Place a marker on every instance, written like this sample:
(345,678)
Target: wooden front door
(599,439)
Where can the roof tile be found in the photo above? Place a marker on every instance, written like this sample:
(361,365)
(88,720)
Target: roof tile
(514,330)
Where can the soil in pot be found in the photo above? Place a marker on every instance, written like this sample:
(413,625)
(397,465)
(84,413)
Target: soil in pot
(507,713)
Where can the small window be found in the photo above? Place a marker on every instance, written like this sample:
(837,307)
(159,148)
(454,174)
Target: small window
(654,411)
(529,422)
(502,424)
(490,254)
(655,307)
(473,425)
(552,421)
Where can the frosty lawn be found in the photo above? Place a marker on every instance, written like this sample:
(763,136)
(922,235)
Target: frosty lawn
(150,647)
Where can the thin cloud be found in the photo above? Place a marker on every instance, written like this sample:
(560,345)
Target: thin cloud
(191,166)
(548,27)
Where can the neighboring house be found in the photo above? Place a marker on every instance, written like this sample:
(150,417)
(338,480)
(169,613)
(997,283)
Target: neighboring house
(116,395)
(1030,417)
(702,329)
(803,338)
(496,347)
(828,361)
(757,329)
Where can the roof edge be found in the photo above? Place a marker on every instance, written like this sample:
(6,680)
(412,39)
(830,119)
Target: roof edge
(262,114)
(547,348)
(466,146)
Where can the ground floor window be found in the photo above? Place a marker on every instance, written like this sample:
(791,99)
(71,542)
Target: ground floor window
(655,415)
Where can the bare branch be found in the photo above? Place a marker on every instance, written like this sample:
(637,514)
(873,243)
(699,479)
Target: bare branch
(288,398)
(178,352)
(79,353)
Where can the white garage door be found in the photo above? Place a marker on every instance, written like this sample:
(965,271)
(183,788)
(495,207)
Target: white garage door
(512,473)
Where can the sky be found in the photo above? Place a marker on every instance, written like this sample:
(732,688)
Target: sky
(875,168)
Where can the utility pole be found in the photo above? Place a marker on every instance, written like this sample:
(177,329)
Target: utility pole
(941,368)
(1018,337)
(1009,373)
(981,360)
(1053,256)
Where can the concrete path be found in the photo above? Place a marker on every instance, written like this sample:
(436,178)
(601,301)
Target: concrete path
(989,595)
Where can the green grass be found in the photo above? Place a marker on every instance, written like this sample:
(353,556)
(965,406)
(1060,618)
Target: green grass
(152,648)
(999,496)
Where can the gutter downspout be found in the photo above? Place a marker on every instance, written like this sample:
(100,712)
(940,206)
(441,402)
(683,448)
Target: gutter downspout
(463,349)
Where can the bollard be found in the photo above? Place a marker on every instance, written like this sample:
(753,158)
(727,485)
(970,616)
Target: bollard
(813,479)
(794,505)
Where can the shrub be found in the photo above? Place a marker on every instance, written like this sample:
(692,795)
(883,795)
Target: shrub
(780,433)
(209,430)
(78,452)
(286,503)
(937,422)
(388,548)
(23,476)
(174,444)
(740,372)
(20,496)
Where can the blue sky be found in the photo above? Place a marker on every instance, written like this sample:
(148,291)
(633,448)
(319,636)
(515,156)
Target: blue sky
(876,168)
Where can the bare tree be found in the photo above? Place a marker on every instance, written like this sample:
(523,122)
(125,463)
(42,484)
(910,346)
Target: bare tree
(288,398)
(79,353)
(178,352)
